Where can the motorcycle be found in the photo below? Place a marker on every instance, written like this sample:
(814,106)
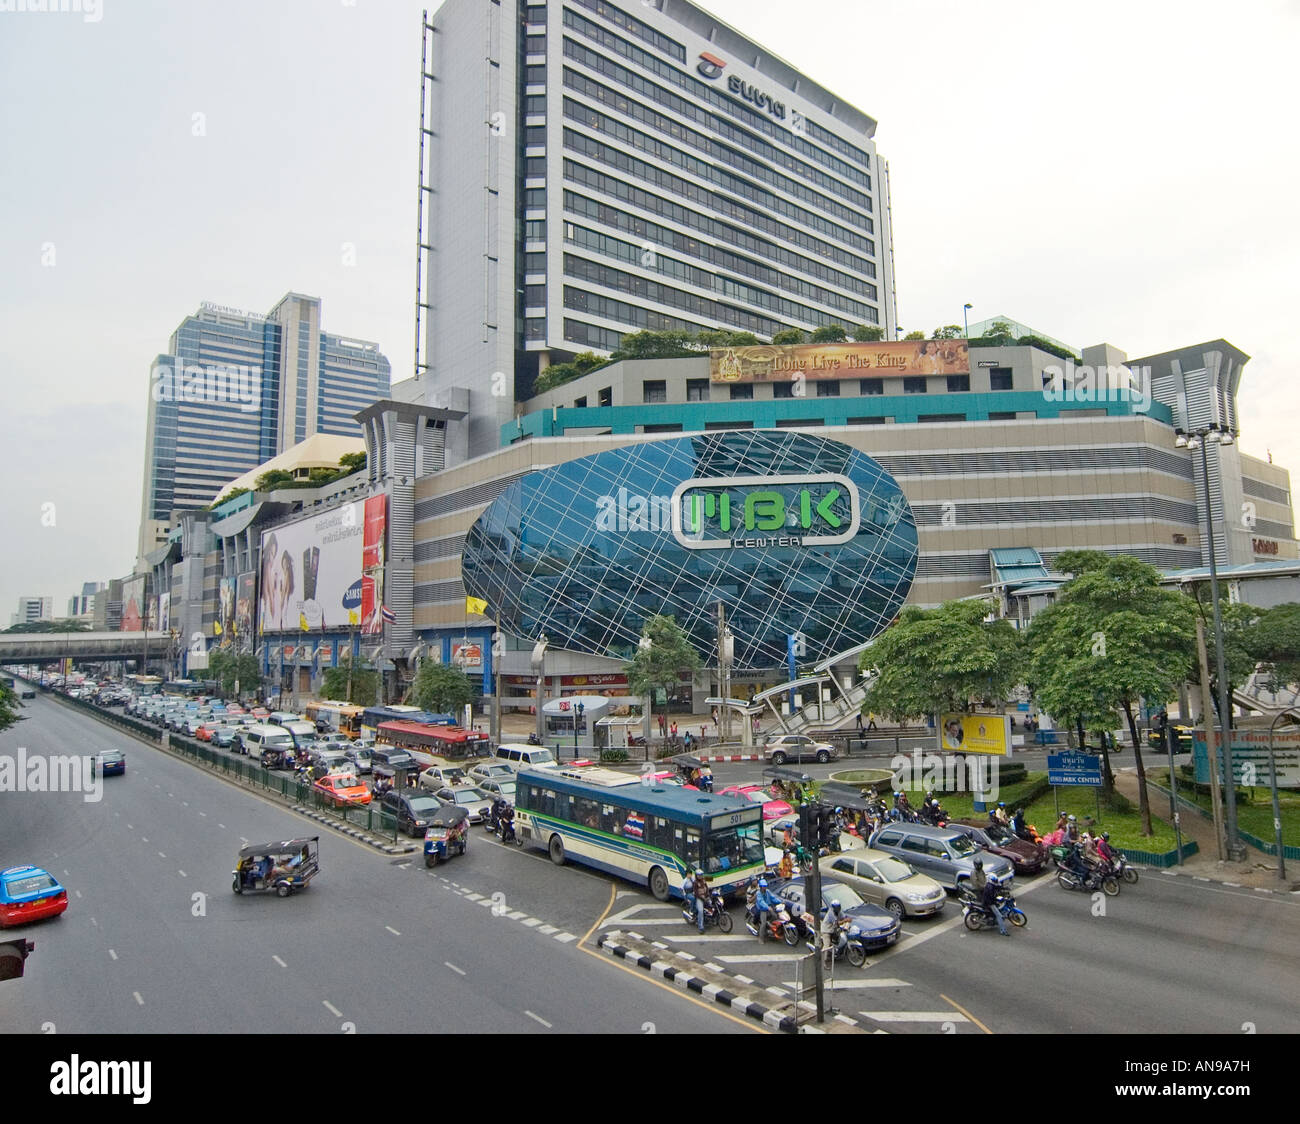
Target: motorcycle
(849,943)
(780,927)
(976,916)
(715,912)
(506,827)
(1120,868)
(1074,877)
(932,814)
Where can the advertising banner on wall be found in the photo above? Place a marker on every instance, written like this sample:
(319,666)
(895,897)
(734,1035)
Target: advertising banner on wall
(1250,761)
(164,612)
(308,568)
(468,656)
(821,361)
(976,733)
(245,600)
(133,604)
(372,566)
(224,625)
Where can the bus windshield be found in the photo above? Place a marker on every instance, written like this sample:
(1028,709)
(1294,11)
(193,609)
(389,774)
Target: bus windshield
(732,847)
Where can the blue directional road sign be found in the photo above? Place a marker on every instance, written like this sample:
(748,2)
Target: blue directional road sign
(1074,767)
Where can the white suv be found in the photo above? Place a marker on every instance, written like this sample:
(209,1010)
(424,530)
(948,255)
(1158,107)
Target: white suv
(781,748)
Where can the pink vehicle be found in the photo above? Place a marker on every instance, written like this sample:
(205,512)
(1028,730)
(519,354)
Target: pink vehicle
(757,794)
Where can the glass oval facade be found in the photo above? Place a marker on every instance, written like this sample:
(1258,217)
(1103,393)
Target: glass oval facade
(792,532)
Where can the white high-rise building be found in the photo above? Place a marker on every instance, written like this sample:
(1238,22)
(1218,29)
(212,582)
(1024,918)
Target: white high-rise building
(596,169)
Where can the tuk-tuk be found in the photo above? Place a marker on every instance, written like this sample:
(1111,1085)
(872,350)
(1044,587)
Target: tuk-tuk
(693,771)
(283,867)
(787,784)
(279,758)
(446,835)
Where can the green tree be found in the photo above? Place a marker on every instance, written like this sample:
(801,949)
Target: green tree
(948,332)
(673,344)
(721,337)
(658,664)
(997,335)
(352,462)
(348,684)
(932,661)
(9,705)
(914,336)
(829,333)
(1113,638)
(1275,644)
(61,624)
(272,479)
(229,667)
(868,333)
(442,688)
(1076,562)
(790,336)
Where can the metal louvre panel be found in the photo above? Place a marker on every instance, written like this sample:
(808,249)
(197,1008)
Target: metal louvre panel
(439,548)
(1273,530)
(1052,511)
(1162,557)
(1012,461)
(952,565)
(477,495)
(439,593)
(1262,491)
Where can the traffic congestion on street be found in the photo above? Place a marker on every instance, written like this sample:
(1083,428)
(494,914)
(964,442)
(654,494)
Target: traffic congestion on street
(744,874)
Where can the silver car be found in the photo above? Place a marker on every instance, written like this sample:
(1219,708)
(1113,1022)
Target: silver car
(884,880)
(474,800)
(794,747)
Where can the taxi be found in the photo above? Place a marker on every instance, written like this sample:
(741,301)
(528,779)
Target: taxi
(342,789)
(28,893)
(757,794)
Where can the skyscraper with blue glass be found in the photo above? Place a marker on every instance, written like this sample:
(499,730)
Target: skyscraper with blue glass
(235,388)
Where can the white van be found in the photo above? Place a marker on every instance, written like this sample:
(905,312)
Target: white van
(256,739)
(519,755)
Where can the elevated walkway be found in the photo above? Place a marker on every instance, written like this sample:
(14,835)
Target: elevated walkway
(842,709)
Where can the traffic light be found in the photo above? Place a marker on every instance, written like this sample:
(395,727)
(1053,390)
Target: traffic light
(825,822)
(807,826)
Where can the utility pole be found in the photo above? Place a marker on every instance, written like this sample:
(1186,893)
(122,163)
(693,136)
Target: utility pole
(1207,706)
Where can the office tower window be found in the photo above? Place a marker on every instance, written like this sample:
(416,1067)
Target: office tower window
(535,230)
(654,391)
(783,390)
(535,197)
(535,104)
(828,388)
(535,75)
(958,383)
(742,391)
(535,14)
(534,44)
(535,328)
(914,384)
(872,386)
(535,262)
(697,390)
(535,136)
(1000,378)
(535,296)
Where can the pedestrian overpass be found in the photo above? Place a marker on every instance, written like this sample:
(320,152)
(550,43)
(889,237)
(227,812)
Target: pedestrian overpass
(49,647)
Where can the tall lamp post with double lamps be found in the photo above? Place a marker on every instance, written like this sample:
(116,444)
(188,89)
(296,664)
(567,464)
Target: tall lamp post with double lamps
(964,322)
(1201,438)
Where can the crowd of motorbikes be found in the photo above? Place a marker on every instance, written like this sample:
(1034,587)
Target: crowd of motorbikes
(500,821)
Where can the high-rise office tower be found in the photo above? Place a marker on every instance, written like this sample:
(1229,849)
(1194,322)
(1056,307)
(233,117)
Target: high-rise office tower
(593,169)
(235,389)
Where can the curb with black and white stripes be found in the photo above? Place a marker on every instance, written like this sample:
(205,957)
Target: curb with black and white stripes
(727,757)
(1224,882)
(682,978)
(345,828)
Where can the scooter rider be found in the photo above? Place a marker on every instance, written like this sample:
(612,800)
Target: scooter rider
(764,903)
(691,888)
(1017,825)
(1104,851)
(833,936)
(989,901)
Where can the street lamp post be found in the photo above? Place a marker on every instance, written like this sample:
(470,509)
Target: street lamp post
(1194,439)
(577,721)
(1272,778)
(964,322)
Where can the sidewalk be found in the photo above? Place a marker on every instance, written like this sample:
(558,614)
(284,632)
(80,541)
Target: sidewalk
(1259,871)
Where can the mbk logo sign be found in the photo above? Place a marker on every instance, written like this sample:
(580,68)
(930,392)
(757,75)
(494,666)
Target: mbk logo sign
(721,512)
(710,66)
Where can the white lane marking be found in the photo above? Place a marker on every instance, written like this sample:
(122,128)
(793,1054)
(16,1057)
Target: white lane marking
(94,922)
(112,954)
(564,938)
(332,1009)
(626,894)
(65,874)
(531,922)
(1236,884)
(172,795)
(458,971)
(131,826)
(468,897)
(185,803)
(538,1018)
(637,910)
(710,938)
(144,839)
(915,1016)
(161,855)
(392,930)
(547,930)
(182,873)
(649,921)
(758,958)
(204,814)
(222,826)
(137,998)
(279,961)
(842,985)
(77,892)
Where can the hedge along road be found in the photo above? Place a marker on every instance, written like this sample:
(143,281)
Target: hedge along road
(154,940)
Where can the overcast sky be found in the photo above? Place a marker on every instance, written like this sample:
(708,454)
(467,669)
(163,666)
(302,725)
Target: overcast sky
(1114,171)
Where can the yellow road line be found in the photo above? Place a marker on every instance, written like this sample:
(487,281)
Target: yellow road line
(613,894)
(966,1013)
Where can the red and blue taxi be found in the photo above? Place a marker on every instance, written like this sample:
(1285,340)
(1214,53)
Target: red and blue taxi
(28,893)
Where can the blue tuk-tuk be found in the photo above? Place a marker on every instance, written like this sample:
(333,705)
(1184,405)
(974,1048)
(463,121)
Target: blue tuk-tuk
(281,867)
(446,835)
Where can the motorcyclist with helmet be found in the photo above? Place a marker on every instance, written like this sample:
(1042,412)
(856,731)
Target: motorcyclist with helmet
(989,901)
(695,888)
(765,903)
(834,938)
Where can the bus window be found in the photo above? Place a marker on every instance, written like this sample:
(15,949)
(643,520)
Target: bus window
(732,847)
(691,853)
(585,811)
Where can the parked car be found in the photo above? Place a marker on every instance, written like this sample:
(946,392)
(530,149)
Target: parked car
(28,893)
(490,771)
(885,881)
(1026,857)
(780,748)
(503,788)
(341,789)
(394,759)
(880,929)
(946,854)
(757,794)
(412,810)
(473,799)
(224,736)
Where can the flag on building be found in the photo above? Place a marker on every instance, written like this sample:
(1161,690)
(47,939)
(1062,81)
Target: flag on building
(389,616)
(475,605)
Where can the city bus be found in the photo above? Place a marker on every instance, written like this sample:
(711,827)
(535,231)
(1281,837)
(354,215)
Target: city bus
(650,835)
(342,717)
(373,716)
(434,745)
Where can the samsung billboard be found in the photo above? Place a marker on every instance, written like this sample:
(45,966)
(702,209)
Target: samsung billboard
(790,531)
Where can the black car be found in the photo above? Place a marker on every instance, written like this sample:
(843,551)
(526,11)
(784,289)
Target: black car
(413,810)
(879,927)
(393,759)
